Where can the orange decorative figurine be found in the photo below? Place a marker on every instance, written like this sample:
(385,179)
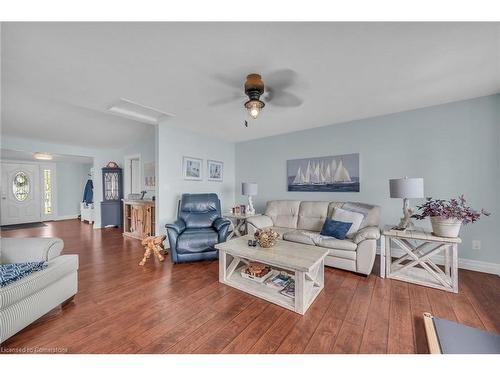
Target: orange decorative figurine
(153,244)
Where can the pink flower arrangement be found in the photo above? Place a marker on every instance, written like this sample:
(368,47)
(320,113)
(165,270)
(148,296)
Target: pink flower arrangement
(455,208)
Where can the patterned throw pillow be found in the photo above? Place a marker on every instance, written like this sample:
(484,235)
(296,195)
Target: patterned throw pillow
(16,271)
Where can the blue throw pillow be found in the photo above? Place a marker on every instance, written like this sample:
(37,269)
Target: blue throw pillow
(16,271)
(334,228)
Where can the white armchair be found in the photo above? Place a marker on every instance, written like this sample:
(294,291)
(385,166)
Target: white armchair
(25,300)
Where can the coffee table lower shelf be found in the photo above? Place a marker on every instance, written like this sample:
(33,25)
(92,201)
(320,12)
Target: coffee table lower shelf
(260,290)
(307,284)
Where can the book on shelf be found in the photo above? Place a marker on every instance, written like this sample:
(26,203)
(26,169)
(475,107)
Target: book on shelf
(279,281)
(289,289)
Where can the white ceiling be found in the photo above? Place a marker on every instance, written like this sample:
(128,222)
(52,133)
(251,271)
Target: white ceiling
(6,154)
(59,78)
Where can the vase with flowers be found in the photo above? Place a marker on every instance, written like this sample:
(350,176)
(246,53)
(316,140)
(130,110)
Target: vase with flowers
(447,216)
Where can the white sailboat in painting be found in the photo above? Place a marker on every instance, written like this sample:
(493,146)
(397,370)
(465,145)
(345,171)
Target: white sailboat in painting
(307,176)
(341,174)
(328,179)
(333,168)
(315,177)
(299,178)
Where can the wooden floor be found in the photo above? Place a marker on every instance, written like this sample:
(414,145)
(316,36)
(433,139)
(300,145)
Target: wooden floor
(161,308)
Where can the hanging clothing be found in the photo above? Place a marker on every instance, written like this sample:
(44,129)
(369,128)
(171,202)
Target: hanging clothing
(88,193)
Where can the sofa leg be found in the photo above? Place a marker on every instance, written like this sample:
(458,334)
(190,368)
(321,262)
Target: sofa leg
(67,302)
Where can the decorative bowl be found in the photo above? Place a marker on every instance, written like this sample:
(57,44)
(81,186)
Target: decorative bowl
(266,237)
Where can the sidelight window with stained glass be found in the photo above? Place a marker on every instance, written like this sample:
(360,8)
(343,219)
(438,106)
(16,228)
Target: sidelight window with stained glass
(47,191)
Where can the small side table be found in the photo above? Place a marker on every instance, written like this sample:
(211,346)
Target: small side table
(239,223)
(405,267)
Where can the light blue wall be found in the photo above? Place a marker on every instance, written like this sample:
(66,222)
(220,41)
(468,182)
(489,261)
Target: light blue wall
(454,147)
(174,143)
(71,179)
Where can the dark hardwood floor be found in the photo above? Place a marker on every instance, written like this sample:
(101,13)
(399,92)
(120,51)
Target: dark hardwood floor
(161,308)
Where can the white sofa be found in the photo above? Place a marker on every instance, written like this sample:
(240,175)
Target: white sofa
(301,221)
(25,300)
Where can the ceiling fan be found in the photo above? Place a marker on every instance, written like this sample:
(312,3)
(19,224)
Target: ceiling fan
(258,93)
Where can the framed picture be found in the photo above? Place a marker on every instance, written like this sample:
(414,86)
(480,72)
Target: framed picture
(215,170)
(192,168)
(339,173)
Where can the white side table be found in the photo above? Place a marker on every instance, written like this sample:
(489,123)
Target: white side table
(416,266)
(239,223)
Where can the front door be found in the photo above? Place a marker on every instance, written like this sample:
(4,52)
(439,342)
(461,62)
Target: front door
(20,194)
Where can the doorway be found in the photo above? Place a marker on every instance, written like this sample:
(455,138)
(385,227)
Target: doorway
(20,194)
(133,175)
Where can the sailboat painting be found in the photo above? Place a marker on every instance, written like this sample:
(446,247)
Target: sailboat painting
(338,173)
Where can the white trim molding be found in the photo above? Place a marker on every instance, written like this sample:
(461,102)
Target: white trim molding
(464,263)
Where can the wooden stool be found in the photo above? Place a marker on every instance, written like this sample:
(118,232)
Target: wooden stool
(153,244)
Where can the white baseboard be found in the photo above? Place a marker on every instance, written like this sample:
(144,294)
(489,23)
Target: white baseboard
(66,217)
(464,263)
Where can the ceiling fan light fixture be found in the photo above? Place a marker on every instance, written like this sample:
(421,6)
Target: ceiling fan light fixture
(254,88)
(254,106)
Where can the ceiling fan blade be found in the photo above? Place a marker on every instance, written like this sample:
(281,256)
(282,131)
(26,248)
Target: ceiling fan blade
(283,99)
(230,81)
(227,100)
(281,79)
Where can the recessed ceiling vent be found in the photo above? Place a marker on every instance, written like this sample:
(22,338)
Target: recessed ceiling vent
(138,112)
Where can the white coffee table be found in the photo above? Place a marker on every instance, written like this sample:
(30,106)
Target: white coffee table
(305,262)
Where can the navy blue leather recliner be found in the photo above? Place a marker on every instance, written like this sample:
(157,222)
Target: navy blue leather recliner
(199,226)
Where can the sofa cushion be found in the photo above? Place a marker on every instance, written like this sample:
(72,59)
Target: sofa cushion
(315,239)
(333,243)
(13,272)
(302,236)
(312,215)
(345,216)
(197,240)
(344,254)
(283,213)
(56,269)
(370,212)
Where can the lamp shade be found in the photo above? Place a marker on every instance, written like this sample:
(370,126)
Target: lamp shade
(248,188)
(406,188)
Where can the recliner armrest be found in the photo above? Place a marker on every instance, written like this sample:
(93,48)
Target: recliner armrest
(367,233)
(220,223)
(260,221)
(33,249)
(178,226)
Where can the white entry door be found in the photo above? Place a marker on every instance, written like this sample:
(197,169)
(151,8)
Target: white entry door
(20,194)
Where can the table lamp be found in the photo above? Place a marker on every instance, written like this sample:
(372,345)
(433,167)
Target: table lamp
(406,188)
(250,190)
